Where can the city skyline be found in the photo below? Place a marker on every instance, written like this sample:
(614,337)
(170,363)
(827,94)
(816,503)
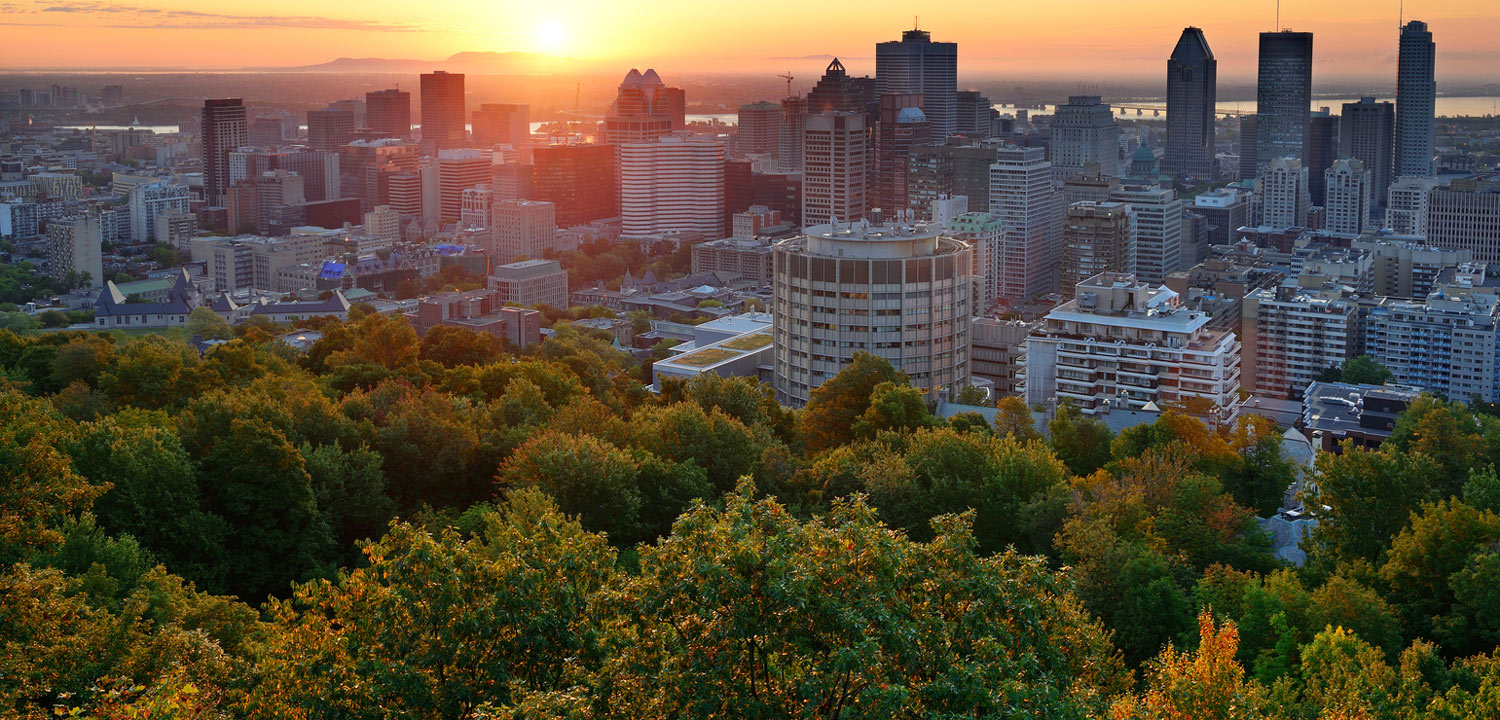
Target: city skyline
(1355,39)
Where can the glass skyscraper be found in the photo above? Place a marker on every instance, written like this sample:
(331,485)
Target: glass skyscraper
(1416,94)
(1283,95)
(1192,78)
(916,64)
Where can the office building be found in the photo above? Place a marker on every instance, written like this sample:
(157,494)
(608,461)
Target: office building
(835,173)
(1088,185)
(1406,206)
(1226,210)
(985,234)
(997,352)
(1365,134)
(973,115)
(1126,344)
(897,291)
(759,128)
(1249,153)
(642,110)
(150,201)
(475,206)
(674,184)
(75,250)
(531,282)
(1346,209)
(789,143)
(1290,335)
(459,170)
(1416,101)
(329,129)
(1283,96)
(383,224)
(1465,215)
(749,258)
(1403,267)
(1084,132)
(835,91)
(443,112)
(176,229)
(1021,195)
(902,126)
(502,124)
(389,112)
(225,129)
(1321,149)
(1284,194)
(1157,212)
(1096,238)
(579,180)
(1192,87)
(937,171)
(917,65)
(523,229)
(1445,343)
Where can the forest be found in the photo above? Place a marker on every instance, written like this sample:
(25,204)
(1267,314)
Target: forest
(447,527)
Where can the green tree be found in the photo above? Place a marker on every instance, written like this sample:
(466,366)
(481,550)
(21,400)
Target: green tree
(831,412)
(1445,539)
(893,407)
(1362,498)
(716,442)
(1081,442)
(587,477)
(453,346)
(204,323)
(1364,370)
(38,485)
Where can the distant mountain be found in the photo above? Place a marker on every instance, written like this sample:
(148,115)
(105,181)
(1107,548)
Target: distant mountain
(479,63)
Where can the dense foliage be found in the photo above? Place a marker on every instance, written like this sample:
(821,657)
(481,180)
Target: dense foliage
(438,527)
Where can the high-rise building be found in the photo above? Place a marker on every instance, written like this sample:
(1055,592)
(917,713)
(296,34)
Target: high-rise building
(1085,132)
(443,113)
(531,282)
(1465,215)
(835,172)
(916,64)
(672,184)
(1406,206)
(1096,238)
(329,129)
(475,206)
(149,201)
(1321,149)
(902,126)
(75,245)
(642,110)
(1416,98)
(1249,152)
(1192,82)
(1226,211)
(1365,134)
(389,112)
(1126,344)
(225,129)
(1157,215)
(935,171)
(502,124)
(1446,343)
(523,228)
(1022,196)
(835,92)
(985,233)
(579,180)
(917,288)
(459,170)
(1290,335)
(759,128)
(1088,185)
(1348,190)
(972,115)
(1283,96)
(1284,194)
(789,144)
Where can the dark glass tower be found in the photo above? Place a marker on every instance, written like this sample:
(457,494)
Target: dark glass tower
(1283,95)
(443,111)
(916,64)
(1192,74)
(225,129)
(1416,96)
(1365,129)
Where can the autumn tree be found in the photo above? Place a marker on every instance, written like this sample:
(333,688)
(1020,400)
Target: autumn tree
(1203,684)
(835,405)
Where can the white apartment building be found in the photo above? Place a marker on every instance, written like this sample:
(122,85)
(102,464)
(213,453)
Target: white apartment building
(149,201)
(1023,197)
(1447,343)
(1346,207)
(985,233)
(1284,194)
(1406,206)
(1157,212)
(672,184)
(1123,342)
(1289,335)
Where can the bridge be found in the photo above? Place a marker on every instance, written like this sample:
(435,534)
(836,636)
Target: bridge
(1159,110)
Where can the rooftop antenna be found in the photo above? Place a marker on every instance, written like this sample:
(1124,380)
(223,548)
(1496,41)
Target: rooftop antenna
(1401,14)
(1278,14)
(916,23)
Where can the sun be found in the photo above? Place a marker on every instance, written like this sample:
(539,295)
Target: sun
(551,35)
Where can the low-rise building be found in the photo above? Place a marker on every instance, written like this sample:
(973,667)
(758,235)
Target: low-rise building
(531,282)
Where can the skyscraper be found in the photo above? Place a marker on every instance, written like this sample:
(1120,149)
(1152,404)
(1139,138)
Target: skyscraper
(502,124)
(1085,132)
(759,128)
(1365,134)
(834,92)
(1249,153)
(1322,148)
(389,112)
(1416,95)
(902,126)
(1285,197)
(443,111)
(579,180)
(793,117)
(1346,206)
(916,64)
(642,111)
(1157,218)
(1283,95)
(1021,195)
(835,173)
(458,170)
(329,129)
(1096,238)
(225,129)
(1192,81)
(672,184)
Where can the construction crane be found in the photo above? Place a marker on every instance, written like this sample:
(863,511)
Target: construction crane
(788,77)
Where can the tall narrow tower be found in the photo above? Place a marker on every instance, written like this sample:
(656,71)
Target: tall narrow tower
(225,129)
(1416,94)
(1192,78)
(916,64)
(443,111)
(1283,95)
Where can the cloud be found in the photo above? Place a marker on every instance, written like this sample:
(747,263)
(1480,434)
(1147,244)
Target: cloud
(120,17)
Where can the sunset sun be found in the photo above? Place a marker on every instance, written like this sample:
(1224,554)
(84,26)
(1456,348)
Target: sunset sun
(550,36)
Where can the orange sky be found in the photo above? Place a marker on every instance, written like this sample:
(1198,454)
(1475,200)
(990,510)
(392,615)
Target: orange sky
(1067,39)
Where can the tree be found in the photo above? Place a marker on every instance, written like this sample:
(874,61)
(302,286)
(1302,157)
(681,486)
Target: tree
(1013,419)
(587,477)
(971,395)
(204,323)
(1362,498)
(38,485)
(1364,370)
(1204,684)
(716,442)
(1261,478)
(441,624)
(1446,539)
(829,418)
(1081,442)
(151,372)
(893,407)
(453,346)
